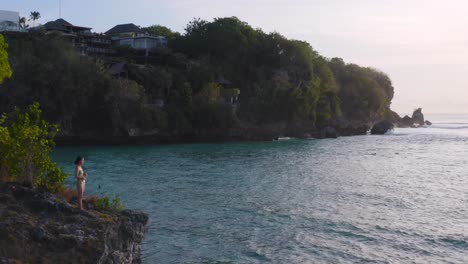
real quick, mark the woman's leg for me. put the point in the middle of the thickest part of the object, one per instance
(79, 187)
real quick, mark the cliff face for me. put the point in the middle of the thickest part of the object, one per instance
(40, 227)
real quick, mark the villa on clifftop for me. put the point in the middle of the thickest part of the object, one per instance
(134, 37)
(81, 37)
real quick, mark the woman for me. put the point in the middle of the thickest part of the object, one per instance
(81, 177)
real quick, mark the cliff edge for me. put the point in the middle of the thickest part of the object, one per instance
(39, 227)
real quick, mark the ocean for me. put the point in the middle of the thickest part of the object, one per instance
(395, 198)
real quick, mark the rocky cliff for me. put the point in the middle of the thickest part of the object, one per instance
(37, 227)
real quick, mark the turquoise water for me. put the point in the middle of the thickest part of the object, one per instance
(399, 198)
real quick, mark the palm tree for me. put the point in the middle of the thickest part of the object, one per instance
(34, 16)
(22, 23)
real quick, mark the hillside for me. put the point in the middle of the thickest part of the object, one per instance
(220, 80)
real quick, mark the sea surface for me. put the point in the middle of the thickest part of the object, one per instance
(396, 198)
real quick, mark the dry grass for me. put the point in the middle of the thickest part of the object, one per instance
(4, 175)
(69, 194)
(91, 200)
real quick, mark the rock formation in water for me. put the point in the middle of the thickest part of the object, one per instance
(382, 127)
(37, 227)
(416, 120)
(418, 117)
(406, 121)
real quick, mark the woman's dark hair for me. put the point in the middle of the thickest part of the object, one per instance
(78, 159)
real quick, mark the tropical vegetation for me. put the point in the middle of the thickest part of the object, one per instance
(215, 77)
(26, 141)
(5, 70)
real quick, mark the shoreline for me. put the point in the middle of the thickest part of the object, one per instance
(150, 140)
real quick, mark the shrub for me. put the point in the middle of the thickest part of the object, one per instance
(5, 70)
(69, 194)
(26, 141)
(105, 203)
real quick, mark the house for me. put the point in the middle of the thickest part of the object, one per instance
(119, 69)
(125, 31)
(229, 95)
(134, 37)
(223, 82)
(61, 25)
(81, 37)
(9, 21)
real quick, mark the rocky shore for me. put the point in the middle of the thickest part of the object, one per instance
(38, 227)
(415, 121)
(247, 132)
(338, 127)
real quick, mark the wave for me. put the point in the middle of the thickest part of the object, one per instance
(455, 241)
(449, 127)
(451, 123)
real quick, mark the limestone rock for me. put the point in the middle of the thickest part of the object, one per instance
(418, 117)
(382, 127)
(42, 226)
(328, 132)
(406, 121)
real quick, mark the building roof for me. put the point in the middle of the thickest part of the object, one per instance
(223, 81)
(118, 68)
(63, 25)
(124, 28)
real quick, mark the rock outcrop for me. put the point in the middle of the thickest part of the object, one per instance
(418, 117)
(328, 132)
(382, 127)
(37, 227)
(416, 120)
(406, 121)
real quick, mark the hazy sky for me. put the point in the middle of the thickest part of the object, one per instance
(421, 44)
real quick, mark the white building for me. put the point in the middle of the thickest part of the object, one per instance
(142, 42)
(9, 21)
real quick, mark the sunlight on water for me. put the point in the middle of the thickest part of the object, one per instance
(397, 198)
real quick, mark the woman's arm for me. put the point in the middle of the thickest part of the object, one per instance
(77, 174)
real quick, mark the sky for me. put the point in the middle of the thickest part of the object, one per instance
(421, 44)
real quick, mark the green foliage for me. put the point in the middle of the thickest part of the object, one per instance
(209, 94)
(105, 203)
(158, 30)
(5, 70)
(26, 140)
(276, 80)
(232, 92)
(365, 93)
(34, 15)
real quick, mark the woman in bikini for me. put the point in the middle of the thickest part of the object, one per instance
(81, 177)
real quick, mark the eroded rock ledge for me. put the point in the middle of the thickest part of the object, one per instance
(37, 227)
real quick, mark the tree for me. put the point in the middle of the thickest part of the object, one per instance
(22, 23)
(158, 30)
(26, 140)
(182, 89)
(34, 16)
(5, 70)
